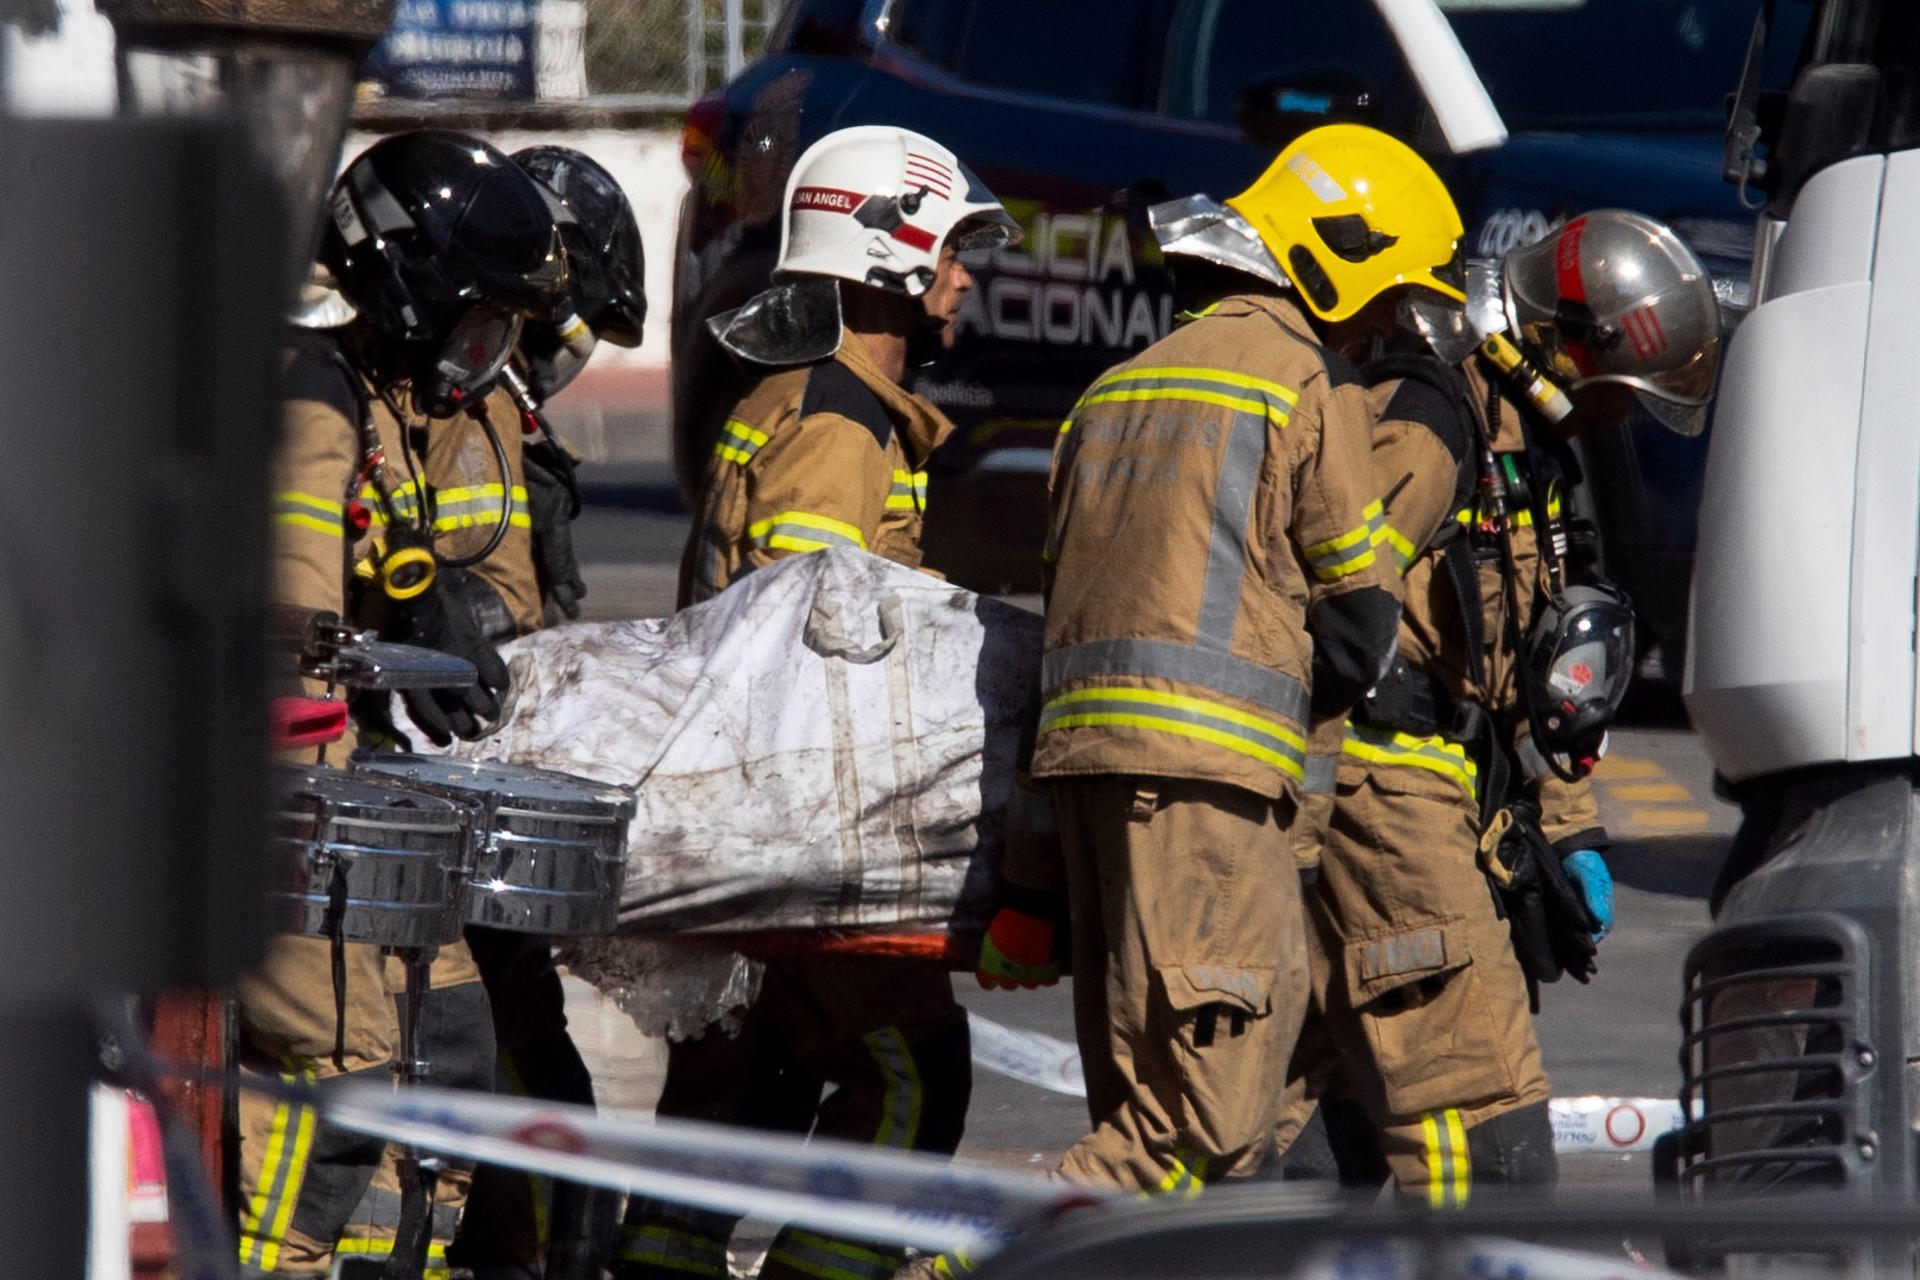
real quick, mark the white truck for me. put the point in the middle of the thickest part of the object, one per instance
(1801, 1020)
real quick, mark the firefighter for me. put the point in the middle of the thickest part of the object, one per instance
(435, 250)
(512, 1217)
(829, 449)
(1212, 575)
(1469, 759)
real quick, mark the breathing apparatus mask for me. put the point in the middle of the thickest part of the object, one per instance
(1579, 662)
(464, 368)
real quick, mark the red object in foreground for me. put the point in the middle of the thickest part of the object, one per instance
(306, 722)
(188, 1026)
(946, 949)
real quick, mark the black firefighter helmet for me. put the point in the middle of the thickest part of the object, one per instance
(444, 246)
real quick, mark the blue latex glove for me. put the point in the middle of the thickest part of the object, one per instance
(1588, 870)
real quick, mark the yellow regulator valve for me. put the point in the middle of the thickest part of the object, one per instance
(406, 572)
(1550, 400)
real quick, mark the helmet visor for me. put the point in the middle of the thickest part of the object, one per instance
(989, 229)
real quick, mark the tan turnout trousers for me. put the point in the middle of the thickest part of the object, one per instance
(1188, 971)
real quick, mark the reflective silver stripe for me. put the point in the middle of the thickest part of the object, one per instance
(1267, 743)
(1222, 673)
(1033, 811)
(1227, 546)
(1321, 773)
(829, 1259)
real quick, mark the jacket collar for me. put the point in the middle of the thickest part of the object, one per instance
(922, 426)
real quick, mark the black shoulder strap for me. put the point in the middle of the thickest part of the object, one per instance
(834, 388)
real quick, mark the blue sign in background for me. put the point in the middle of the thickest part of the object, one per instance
(456, 48)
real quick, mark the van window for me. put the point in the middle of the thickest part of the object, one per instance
(1219, 49)
(1642, 65)
(1090, 53)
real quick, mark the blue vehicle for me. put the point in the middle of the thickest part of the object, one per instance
(1081, 114)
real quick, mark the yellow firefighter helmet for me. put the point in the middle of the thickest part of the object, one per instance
(1349, 213)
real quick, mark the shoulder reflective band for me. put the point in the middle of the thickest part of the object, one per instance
(739, 442)
(1243, 393)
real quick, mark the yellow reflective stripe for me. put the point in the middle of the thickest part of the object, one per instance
(1435, 754)
(1436, 1162)
(256, 1210)
(952, 1264)
(739, 442)
(909, 491)
(296, 1176)
(1403, 548)
(309, 511)
(845, 1248)
(1185, 1179)
(332, 528)
(900, 1107)
(674, 1249)
(784, 532)
(1333, 571)
(1522, 519)
(1197, 373)
(752, 437)
(436, 1252)
(1172, 713)
(1462, 1167)
(1184, 393)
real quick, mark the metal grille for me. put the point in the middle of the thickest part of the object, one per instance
(671, 50)
(1778, 1040)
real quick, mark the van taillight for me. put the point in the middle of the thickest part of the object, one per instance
(701, 132)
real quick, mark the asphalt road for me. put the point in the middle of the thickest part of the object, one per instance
(1617, 1036)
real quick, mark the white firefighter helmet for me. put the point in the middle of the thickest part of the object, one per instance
(873, 205)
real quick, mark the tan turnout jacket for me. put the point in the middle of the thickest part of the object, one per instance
(832, 454)
(1203, 494)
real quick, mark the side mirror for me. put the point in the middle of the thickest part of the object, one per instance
(1275, 112)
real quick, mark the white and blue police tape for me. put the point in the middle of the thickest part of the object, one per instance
(872, 1193)
(1469, 1258)
(1579, 1124)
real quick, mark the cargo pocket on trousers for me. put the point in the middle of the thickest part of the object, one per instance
(1414, 992)
(1231, 1067)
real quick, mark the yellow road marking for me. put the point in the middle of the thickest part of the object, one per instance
(1651, 793)
(1624, 768)
(1669, 819)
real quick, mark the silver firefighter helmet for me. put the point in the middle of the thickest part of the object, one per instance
(1614, 296)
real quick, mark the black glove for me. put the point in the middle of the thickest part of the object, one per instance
(456, 615)
(1552, 927)
(553, 500)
